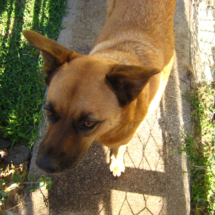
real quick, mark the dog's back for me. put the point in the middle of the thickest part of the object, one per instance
(147, 24)
(140, 33)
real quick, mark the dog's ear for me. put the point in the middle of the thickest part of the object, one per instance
(128, 81)
(53, 53)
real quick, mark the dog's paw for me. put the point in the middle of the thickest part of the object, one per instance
(117, 166)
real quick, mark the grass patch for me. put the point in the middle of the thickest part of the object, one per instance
(21, 70)
(200, 150)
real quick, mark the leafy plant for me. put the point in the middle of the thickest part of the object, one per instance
(17, 181)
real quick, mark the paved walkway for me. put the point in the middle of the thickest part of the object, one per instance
(155, 181)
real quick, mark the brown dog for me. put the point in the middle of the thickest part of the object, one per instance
(106, 95)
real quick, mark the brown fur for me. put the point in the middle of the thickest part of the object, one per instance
(114, 87)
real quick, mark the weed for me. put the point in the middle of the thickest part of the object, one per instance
(16, 181)
(200, 150)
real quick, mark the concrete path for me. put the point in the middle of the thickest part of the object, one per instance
(156, 179)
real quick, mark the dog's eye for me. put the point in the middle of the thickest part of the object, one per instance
(89, 124)
(49, 113)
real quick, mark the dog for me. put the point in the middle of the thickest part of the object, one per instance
(104, 96)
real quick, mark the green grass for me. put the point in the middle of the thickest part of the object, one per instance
(200, 148)
(21, 69)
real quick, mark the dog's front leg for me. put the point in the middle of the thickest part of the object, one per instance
(117, 165)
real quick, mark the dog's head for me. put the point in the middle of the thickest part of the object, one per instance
(86, 99)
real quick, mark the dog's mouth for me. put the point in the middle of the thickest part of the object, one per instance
(53, 165)
(64, 171)
(60, 169)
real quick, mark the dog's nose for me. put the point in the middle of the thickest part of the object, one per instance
(47, 164)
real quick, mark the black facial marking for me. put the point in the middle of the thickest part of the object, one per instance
(79, 124)
(50, 108)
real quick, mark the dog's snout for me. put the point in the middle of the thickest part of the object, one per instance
(48, 165)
